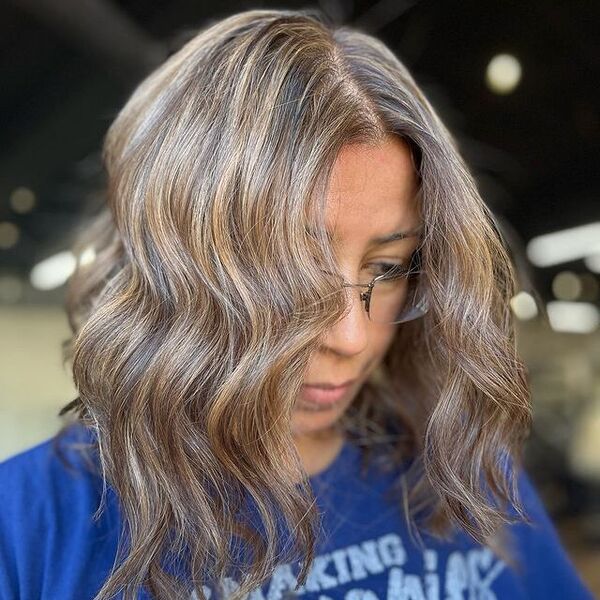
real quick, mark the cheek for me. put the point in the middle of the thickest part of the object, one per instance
(381, 343)
(382, 339)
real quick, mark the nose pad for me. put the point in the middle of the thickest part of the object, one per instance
(349, 335)
(351, 297)
(365, 299)
(360, 293)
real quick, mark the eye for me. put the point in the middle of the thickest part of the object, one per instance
(391, 270)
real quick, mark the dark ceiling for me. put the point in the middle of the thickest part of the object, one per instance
(67, 66)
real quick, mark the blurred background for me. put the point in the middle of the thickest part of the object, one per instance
(516, 83)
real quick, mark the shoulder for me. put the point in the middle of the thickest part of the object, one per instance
(47, 486)
(49, 494)
(547, 569)
(47, 472)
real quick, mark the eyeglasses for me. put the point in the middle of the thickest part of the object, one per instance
(395, 295)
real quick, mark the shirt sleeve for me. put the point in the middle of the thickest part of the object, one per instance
(50, 546)
(19, 510)
(548, 572)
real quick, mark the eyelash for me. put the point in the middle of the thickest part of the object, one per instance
(388, 267)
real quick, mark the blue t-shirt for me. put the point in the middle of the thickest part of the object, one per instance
(52, 549)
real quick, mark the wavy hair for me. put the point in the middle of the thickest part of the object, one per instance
(193, 326)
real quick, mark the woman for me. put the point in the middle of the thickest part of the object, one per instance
(285, 209)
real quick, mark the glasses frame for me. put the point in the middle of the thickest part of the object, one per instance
(365, 297)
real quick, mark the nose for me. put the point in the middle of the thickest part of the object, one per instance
(350, 334)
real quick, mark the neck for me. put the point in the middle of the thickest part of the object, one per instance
(318, 451)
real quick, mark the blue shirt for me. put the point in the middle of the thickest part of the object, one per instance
(51, 548)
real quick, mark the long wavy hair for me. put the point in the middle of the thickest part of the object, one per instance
(193, 326)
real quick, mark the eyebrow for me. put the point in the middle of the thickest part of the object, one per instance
(391, 237)
(397, 235)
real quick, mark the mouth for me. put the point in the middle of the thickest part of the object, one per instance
(325, 395)
(322, 396)
(330, 386)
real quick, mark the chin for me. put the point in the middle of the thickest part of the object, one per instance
(307, 420)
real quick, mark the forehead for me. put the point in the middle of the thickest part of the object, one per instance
(372, 190)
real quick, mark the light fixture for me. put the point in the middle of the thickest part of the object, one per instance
(53, 271)
(503, 73)
(564, 245)
(573, 317)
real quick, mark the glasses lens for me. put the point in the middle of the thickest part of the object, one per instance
(397, 300)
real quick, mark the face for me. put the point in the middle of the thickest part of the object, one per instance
(371, 194)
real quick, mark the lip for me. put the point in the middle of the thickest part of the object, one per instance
(319, 395)
(330, 386)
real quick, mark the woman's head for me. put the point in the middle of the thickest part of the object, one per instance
(246, 176)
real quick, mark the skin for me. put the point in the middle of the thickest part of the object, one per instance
(371, 193)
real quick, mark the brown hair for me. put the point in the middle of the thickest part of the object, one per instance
(193, 325)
